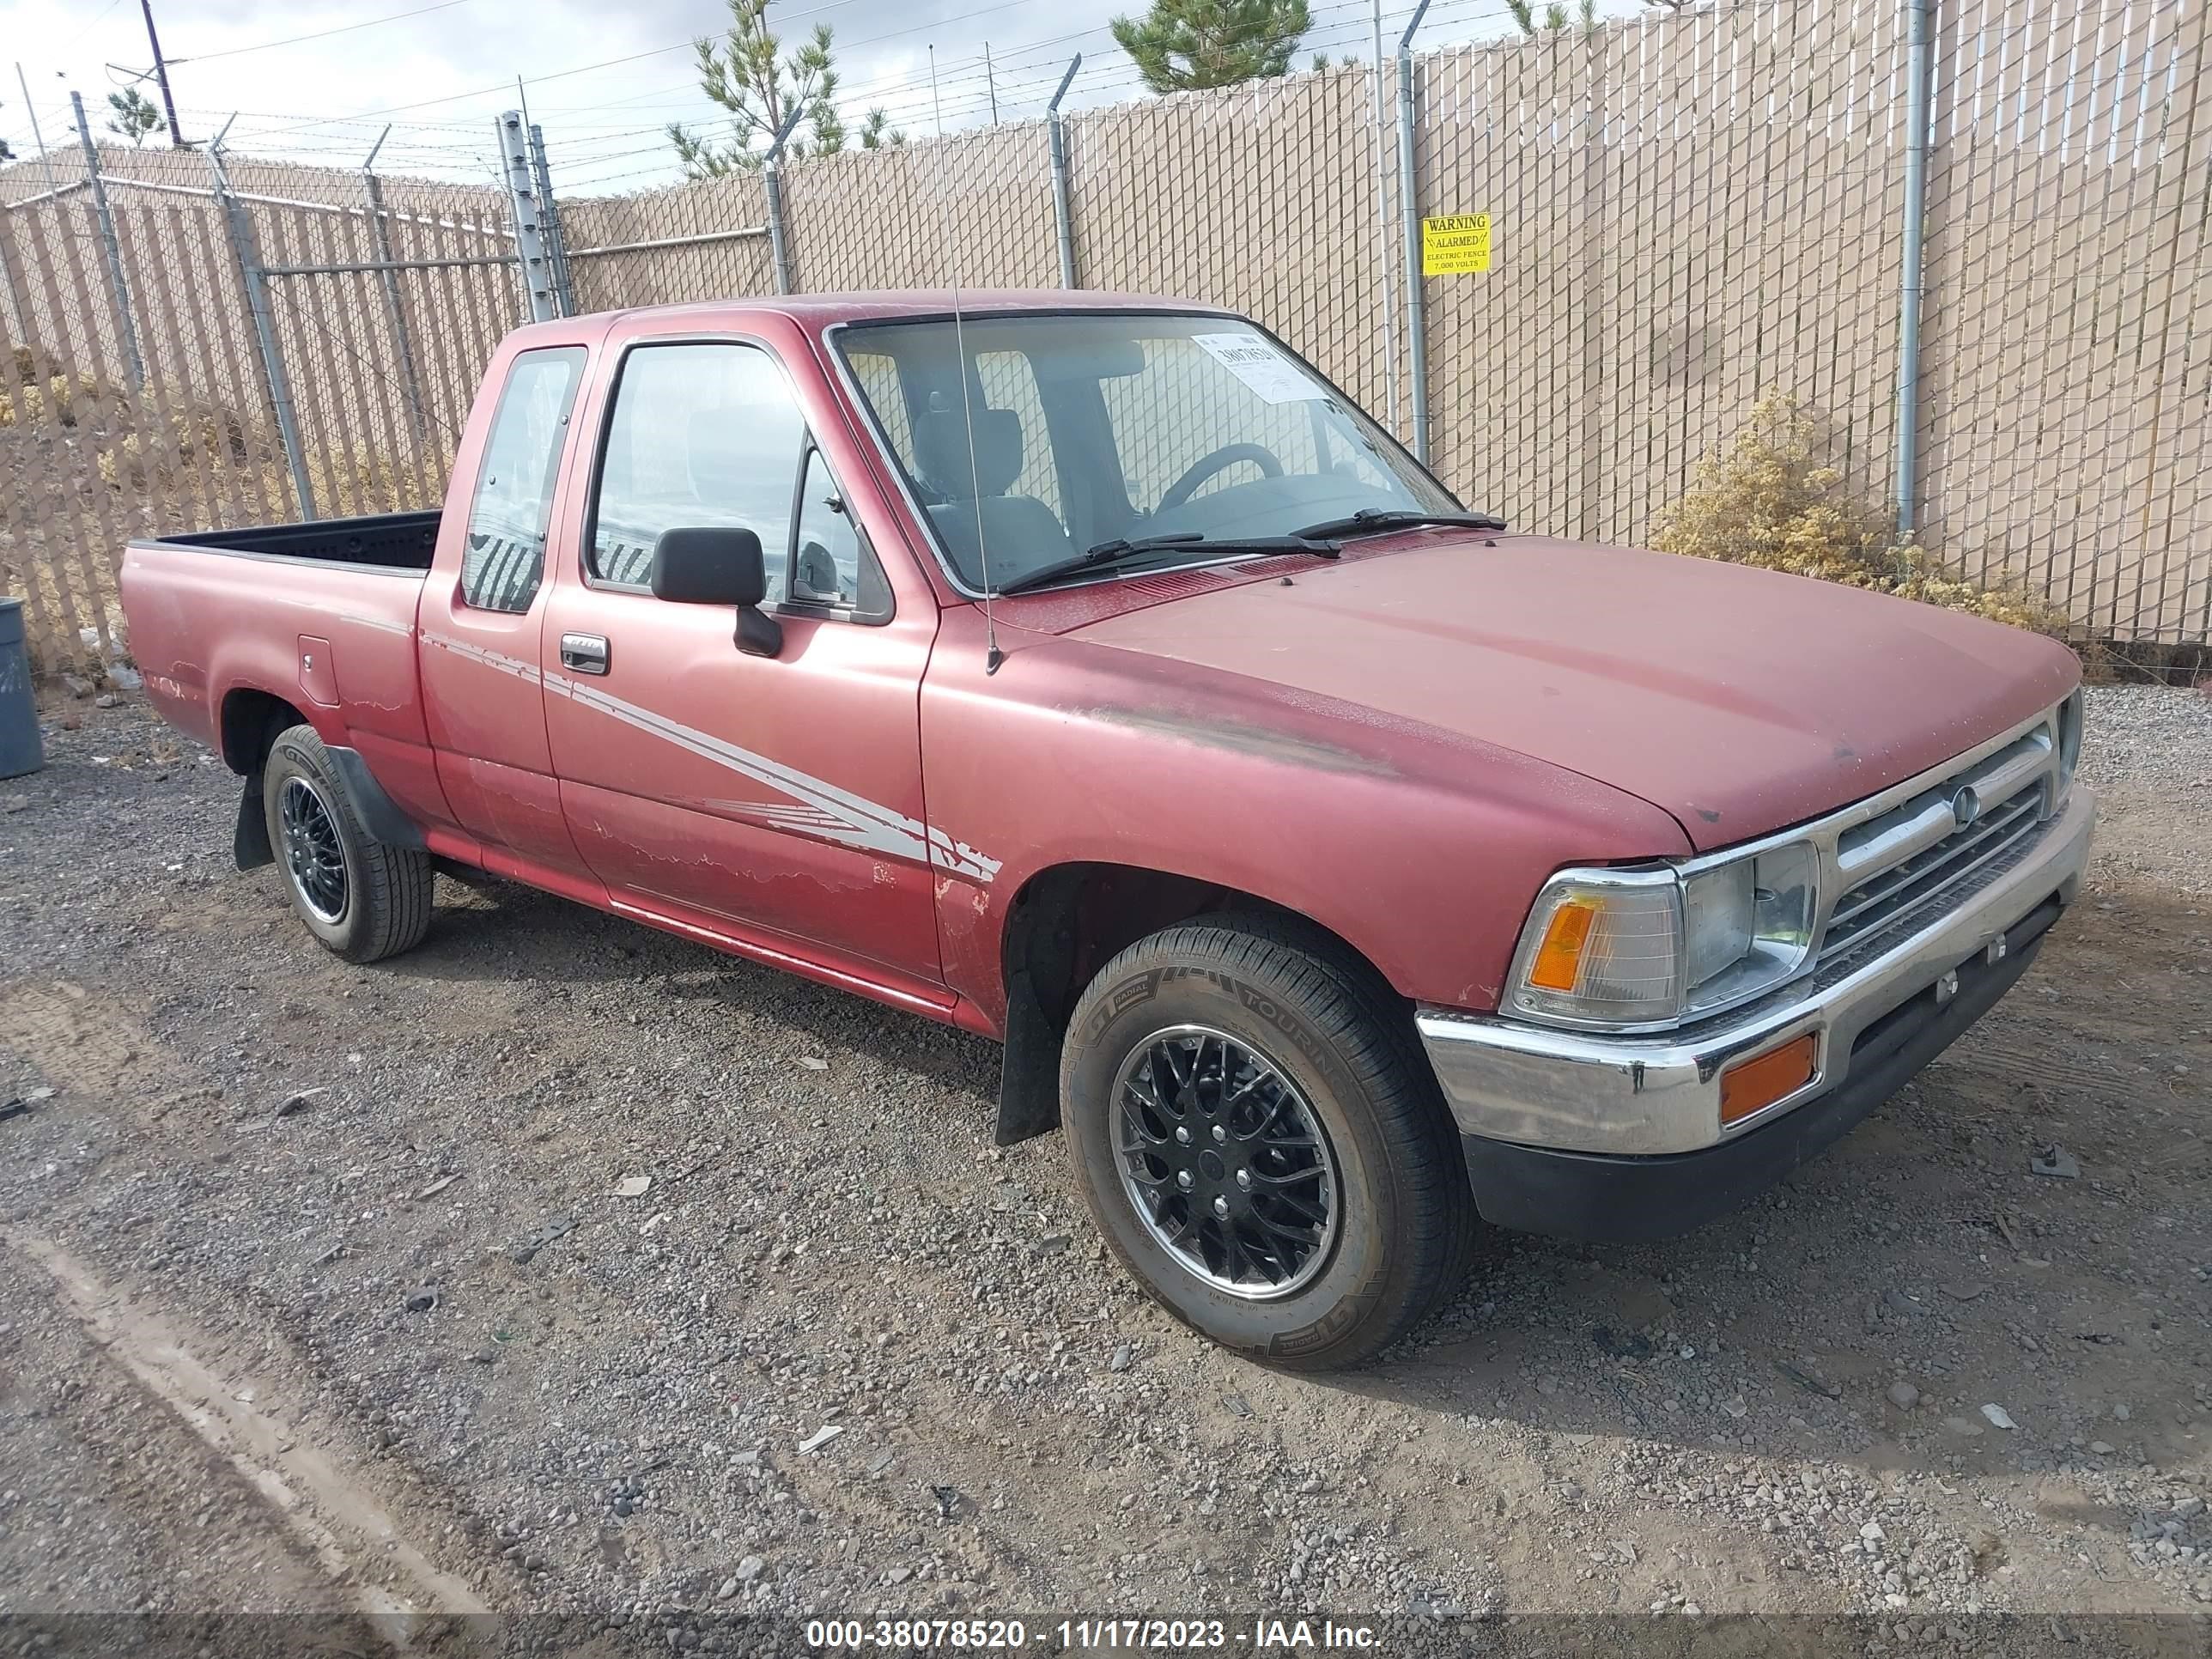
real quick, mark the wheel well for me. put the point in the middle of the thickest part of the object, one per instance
(251, 721)
(1069, 921)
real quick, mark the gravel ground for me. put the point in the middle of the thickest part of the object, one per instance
(842, 1355)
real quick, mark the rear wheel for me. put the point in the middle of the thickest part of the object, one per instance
(1256, 1134)
(363, 900)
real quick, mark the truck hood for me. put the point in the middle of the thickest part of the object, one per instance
(1740, 701)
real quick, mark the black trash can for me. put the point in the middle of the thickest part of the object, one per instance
(20, 750)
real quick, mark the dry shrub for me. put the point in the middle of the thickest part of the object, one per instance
(1769, 499)
(347, 486)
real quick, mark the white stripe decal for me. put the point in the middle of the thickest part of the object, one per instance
(817, 807)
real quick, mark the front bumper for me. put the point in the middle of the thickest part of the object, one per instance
(1593, 1136)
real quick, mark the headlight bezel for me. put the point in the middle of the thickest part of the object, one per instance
(1677, 885)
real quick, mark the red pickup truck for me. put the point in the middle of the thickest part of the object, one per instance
(1337, 868)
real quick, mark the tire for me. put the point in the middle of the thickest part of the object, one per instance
(1400, 1221)
(363, 900)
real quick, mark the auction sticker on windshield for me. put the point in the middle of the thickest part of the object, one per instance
(1260, 367)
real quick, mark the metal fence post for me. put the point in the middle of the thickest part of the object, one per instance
(379, 240)
(239, 228)
(1409, 206)
(1918, 94)
(772, 183)
(557, 241)
(529, 230)
(128, 329)
(1063, 220)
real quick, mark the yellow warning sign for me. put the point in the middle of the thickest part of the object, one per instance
(1454, 242)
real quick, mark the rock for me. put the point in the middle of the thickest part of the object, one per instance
(821, 1436)
(77, 685)
(1961, 1425)
(1053, 1244)
(1904, 1395)
(1998, 1417)
(729, 1589)
(2119, 1414)
(2101, 1448)
(1124, 1357)
(298, 1103)
(15, 803)
(633, 1185)
(748, 1569)
(106, 700)
(424, 1300)
(813, 1064)
(1872, 1532)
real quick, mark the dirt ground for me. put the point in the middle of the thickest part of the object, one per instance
(318, 1295)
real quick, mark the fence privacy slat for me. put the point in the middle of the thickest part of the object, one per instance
(1691, 211)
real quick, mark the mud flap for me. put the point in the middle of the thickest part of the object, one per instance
(1029, 1073)
(379, 813)
(249, 838)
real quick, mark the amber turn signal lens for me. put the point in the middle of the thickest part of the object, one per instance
(1560, 957)
(1752, 1085)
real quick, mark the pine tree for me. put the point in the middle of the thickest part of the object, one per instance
(1181, 45)
(135, 116)
(747, 77)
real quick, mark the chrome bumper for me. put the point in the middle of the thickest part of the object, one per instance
(1534, 1086)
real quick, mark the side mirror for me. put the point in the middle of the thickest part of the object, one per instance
(719, 564)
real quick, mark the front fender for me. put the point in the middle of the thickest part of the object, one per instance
(1421, 847)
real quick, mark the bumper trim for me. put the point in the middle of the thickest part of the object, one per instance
(1511, 1081)
(1605, 1198)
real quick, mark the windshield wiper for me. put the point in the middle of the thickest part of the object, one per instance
(1120, 549)
(1371, 520)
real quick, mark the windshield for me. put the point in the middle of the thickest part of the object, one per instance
(1093, 427)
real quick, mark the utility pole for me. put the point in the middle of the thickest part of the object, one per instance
(161, 75)
(46, 159)
(991, 80)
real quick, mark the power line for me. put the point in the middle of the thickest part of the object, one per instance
(320, 34)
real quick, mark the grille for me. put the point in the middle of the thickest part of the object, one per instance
(1915, 859)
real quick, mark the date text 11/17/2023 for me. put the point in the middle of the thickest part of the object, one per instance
(1265, 1635)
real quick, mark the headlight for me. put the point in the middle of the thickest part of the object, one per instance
(1643, 948)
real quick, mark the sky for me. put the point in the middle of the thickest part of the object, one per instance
(602, 80)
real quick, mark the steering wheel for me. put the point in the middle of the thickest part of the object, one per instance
(1221, 461)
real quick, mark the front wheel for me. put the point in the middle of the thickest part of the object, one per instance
(363, 900)
(1255, 1131)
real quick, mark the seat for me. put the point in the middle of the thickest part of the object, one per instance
(1017, 533)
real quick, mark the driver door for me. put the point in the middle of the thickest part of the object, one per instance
(773, 801)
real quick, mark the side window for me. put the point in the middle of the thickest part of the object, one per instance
(834, 564)
(504, 560)
(701, 434)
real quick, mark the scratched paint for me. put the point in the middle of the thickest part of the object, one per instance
(816, 808)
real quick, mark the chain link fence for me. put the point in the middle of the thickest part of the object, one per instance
(1689, 213)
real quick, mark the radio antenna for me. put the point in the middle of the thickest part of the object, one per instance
(991, 655)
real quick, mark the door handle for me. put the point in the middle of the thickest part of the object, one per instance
(586, 654)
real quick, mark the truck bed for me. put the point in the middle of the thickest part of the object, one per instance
(385, 541)
(232, 627)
